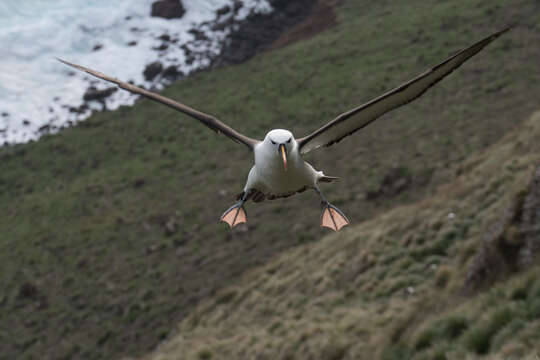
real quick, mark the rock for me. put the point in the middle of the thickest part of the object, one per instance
(132, 43)
(189, 55)
(168, 9)
(237, 5)
(171, 73)
(152, 70)
(165, 37)
(161, 47)
(259, 31)
(93, 94)
(78, 110)
(198, 34)
(222, 25)
(224, 10)
(44, 128)
(97, 47)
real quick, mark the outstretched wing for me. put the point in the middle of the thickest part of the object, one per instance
(346, 124)
(206, 119)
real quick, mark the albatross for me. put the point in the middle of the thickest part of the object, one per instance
(279, 170)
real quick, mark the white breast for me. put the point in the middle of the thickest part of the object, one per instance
(268, 172)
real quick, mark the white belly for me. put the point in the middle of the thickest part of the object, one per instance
(269, 176)
(279, 181)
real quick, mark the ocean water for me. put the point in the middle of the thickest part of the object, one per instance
(37, 91)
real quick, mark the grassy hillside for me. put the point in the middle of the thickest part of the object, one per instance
(109, 234)
(389, 288)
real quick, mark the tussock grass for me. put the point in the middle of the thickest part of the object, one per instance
(342, 297)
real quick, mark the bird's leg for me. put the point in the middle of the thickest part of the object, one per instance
(236, 214)
(331, 216)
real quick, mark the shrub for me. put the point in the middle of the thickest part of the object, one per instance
(479, 338)
(533, 308)
(443, 275)
(509, 332)
(205, 354)
(448, 328)
(425, 339)
(453, 327)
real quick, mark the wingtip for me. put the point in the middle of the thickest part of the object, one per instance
(488, 39)
(95, 73)
(500, 32)
(495, 35)
(65, 62)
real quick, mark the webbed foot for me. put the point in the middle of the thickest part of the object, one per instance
(235, 215)
(332, 217)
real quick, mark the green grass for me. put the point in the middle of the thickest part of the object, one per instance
(85, 212)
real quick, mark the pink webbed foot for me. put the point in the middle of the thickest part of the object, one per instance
(333, 218)
(234, 215)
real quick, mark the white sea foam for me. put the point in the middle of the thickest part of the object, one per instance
(36, 91)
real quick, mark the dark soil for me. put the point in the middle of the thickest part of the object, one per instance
(322, 17)
(289, 22)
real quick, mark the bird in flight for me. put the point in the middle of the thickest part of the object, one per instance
(279, 169)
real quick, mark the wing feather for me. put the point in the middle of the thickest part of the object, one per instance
(208, 120)
(346, 124)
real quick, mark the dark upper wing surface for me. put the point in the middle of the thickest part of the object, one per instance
(359, 117)
(208, 120)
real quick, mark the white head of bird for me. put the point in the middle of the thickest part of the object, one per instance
(280, 145)
(279, 170)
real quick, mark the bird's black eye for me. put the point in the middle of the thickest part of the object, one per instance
(288, 141)
(273, 142)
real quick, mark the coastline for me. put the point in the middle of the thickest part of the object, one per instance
(241, 35)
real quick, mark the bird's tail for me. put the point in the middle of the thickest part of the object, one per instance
(328, 179)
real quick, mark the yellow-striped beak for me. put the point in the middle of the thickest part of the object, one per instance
(283, 153)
